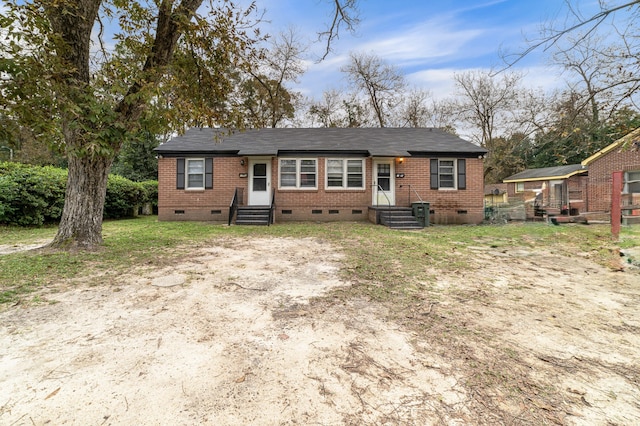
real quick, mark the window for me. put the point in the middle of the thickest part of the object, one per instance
(448, 173)
(298, 173)
(194, 173)
(519, 186)
(345, 174)
(632, 182)
(384, 176)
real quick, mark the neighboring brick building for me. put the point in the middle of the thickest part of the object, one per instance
(320, 174)
(561, 189)
(622, 155)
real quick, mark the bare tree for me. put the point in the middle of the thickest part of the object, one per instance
(442, 114)
(488, 102)
(605, 43)
(267, 99)
(575, 21)
(490, 105)
(328, 111)
(414, 111)
(379, 81)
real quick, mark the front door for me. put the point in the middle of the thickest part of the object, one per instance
(383, 183)
(259, 182)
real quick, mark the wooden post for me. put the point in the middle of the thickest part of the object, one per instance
(616, 199)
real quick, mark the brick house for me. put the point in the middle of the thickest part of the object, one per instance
(622, 155)
(557, 190)
(320, 174)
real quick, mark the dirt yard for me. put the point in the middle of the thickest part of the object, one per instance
(263, 332)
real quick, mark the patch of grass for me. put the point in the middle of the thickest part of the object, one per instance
(10, 235)
(23, 273)
(385, 264)
(629, 237)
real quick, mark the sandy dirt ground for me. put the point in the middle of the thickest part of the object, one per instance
(260, 332)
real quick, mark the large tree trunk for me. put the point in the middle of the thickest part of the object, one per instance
(81, 222)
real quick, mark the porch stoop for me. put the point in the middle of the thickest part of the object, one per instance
(399, 218)
(253, 215)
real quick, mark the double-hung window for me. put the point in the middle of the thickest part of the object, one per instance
(298, 173)
(195, 173)
(345, 174)
(448, 173)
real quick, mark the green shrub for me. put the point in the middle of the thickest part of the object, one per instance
(34, 195)
(150, 192)
(123, 197)
(31, 195)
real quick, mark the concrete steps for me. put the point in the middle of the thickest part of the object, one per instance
(253, 215)
(399, 218)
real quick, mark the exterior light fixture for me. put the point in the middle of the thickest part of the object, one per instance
(242, 162)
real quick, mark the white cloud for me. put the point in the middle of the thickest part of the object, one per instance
(438, 81)
(429, 41)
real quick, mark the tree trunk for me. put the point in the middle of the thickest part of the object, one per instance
(81, 222)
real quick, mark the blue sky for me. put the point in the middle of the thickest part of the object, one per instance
(428, 40)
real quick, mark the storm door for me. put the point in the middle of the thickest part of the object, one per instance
(383, 183)
(259, 182)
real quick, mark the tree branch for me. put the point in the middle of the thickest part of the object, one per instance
(345, 13)
(553, 39)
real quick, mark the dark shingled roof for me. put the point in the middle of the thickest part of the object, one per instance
(557, 172)
(379, 142)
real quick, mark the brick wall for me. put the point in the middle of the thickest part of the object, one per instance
(599, 181)
(205, 205)
(447, 206)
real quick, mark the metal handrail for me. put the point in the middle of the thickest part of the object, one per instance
(272, 207)
(233, 207)
(385, 195)
(411, 188)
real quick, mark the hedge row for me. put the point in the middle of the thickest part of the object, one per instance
(34, 195)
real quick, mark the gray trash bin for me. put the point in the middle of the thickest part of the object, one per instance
(421, 212)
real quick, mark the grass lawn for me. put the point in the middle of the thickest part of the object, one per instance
(524, 323)
(375, 254)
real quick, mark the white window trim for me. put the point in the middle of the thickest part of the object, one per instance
(455, 175)
(345, 175)
(519, 187)
(187, 186)
(298, 172)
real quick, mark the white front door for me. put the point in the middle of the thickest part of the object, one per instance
(259, 182)
(383, 183)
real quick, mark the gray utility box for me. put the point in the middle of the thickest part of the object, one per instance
(421, 212)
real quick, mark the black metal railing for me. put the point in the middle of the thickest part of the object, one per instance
(411, 188)
(380, 189)
(272, 207)
(233, 207)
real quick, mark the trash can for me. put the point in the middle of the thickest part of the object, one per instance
(421, 212)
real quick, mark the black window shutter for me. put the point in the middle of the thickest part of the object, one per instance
(462, 174)
(433, 168)
(208, 173)
(180, 174)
